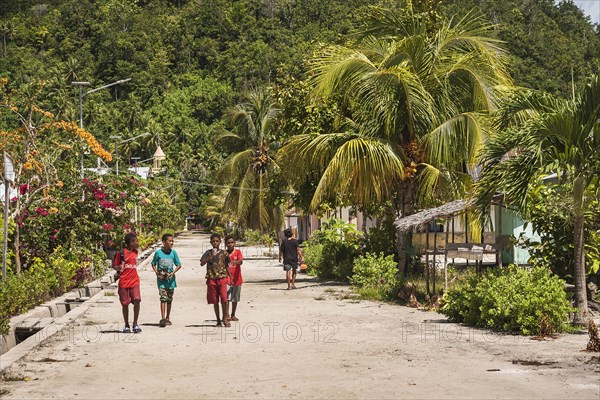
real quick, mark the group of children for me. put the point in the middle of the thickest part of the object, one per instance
(223, 278)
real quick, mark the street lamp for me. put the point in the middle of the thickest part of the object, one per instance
(121, 142)
(82, 94)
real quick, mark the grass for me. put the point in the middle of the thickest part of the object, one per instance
(419, 287)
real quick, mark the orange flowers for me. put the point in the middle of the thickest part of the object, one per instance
(91, 141)
(8, 138)
(46, 114)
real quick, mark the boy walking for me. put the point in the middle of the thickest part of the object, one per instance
(165, 265)
(129, 281)
(235, 271)
(290, 251)
(217, 277)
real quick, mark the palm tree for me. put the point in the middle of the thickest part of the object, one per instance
(7, 28)
(249, 170)
(544, 134)
(417, 96)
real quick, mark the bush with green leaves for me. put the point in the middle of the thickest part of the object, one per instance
(375, 275)
(252, 237)
(21, 292)
(381, 239)
(340, 244)
(40, 281)
(550, 214)
(313, 257)
(513, 299)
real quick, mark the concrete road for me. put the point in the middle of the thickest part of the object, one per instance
(312, 342)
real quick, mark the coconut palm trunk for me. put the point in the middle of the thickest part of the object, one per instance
(579, 256)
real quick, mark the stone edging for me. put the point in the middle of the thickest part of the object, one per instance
(19, 351)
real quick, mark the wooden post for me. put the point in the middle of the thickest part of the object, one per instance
(427, 257)
(467, 232)
(434, 252)
(446, 257)
(453, 236)
(499, 240)
(482, 245)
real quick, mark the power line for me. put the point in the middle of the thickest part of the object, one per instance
(219, 186)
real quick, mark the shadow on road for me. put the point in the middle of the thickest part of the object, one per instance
(212, 324)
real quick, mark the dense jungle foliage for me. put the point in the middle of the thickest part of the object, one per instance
(189, 60)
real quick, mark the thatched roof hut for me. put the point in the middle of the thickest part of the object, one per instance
(422, 218)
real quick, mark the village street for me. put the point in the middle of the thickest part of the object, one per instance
(312, 342)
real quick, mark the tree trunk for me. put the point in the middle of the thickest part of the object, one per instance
(17, 247)
(579, 260)
(405, 238)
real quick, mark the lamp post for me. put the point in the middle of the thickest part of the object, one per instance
(117, 143)
(82, 94)
(8, 176)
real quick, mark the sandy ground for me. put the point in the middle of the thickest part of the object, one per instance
(313, 342)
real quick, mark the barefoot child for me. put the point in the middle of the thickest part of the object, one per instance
(235, 270)
(129, 281)
(217, 277)
(290, 251)
(165, 265)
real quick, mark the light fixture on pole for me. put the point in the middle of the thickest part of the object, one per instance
(9, 177)
(82, 94)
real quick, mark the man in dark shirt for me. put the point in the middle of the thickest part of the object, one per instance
(291, 253)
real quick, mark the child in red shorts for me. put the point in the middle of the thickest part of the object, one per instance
(129, 281)
(217, 277)
(235, 270)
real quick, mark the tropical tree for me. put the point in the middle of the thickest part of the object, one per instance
(43, 144)
(416, 90)
(250, 169)
(544, 135)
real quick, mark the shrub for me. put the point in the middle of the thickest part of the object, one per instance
(146, 240)
(41, 281)
(252, 237)
(21, 292)
(313, 256)
(375, 274)
(381, 239)
(513, 299)
(341, 244)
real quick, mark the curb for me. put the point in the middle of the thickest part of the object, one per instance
(22, 349)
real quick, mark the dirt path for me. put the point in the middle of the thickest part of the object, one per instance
(313, 342)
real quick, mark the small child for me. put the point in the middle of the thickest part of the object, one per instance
(165, 265)
(235, 270)
(217, 277)
(129, 281)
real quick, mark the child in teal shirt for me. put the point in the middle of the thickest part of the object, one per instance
(165, 265)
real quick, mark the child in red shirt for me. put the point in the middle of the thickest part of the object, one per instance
(129, 281)
(235, 270)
